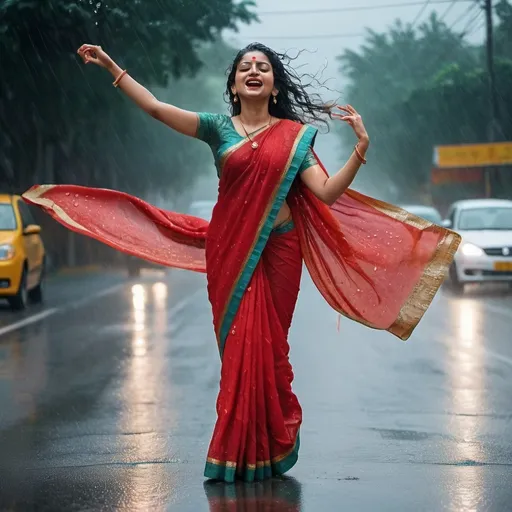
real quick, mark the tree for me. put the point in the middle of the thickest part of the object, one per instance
(503, 33)
(384, 75)
(48, 101)
(64, 123)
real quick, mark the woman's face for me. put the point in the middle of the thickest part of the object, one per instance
(254, 78)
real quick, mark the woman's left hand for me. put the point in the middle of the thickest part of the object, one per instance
(351, 117)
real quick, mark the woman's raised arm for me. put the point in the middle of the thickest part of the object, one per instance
(182, 121)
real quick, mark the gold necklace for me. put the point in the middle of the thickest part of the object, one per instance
(254, 144)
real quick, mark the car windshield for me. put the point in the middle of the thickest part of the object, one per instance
(486, 218)
(7, 218)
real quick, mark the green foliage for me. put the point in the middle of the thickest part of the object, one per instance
(63, 122)
(503, 33)
(425, 87)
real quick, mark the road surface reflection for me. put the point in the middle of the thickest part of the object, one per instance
(467, 402)
(279, 495)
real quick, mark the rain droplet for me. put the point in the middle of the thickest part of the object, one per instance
(76, 195)
(67, 193)
(75, 203)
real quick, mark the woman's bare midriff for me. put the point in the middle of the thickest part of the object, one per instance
(283, 215)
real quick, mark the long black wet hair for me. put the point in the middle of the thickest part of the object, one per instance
(294, 102)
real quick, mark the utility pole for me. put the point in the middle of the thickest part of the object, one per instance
(493, 97)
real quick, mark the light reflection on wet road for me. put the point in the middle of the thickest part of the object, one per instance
(109, 404)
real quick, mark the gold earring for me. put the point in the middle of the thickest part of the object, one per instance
(235, 99)
(275, 100)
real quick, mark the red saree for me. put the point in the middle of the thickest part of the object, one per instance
(372, 262)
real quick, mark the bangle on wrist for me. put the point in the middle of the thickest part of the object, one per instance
(358, 154)
(115, 83)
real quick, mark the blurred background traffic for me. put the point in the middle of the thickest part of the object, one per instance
(109, 370)
(431, 78)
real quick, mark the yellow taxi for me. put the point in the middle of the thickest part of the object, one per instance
(22, 253)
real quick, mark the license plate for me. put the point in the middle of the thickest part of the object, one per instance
(503, 266)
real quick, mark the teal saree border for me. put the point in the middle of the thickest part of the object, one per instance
(243, 281)
(229, 474)
(283, 228)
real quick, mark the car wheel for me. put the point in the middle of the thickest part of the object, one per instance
(455, 285)
(20, 300)
(36, 295)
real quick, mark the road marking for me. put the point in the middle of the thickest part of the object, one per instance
(52, 311)
(184, 303)
(498, 309)
(499, 357)
(175, 326)
(29, 320)
(98, 295)
(178, 308)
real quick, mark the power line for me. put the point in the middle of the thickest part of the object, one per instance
(316, 36)
(464, 15)
(348, 35)
(470, 24)
(421, 11)
(476, 29)
(448, 9)
(357, 8)
(474, 10)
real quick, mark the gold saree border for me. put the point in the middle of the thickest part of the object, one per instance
(433, 274)
(225, 156)
(34, 194)
(263, 220)
(259, 463)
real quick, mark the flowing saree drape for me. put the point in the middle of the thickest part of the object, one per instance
(372, 262)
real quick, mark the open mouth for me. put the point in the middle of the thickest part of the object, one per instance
(253, 83)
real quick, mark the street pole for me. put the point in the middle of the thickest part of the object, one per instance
(493, 98)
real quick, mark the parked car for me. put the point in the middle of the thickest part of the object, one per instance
(485, 254)
(426, 212)
(22, 253)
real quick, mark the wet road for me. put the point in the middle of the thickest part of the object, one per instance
(107, 402)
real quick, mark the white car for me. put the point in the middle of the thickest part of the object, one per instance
(485, 254)
(426, 212)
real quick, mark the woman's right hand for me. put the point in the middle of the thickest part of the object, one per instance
(95, 54)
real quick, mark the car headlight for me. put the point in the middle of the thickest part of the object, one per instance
(471, 250)
(6, 252)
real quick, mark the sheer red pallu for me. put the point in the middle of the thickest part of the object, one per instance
(372, 262)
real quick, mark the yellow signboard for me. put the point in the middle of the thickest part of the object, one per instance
(473, 155)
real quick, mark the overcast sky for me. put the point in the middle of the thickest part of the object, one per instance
(314, 31)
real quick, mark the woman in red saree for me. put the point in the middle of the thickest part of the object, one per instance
(277, 207)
